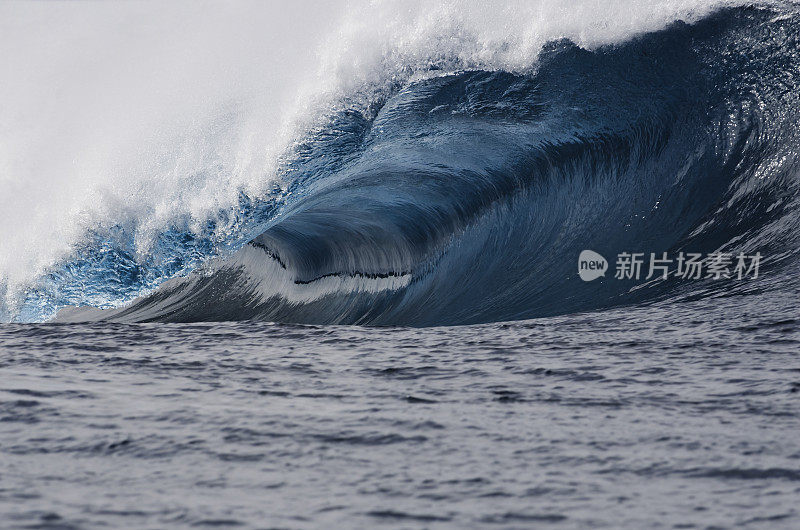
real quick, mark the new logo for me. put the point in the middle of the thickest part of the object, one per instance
(591, 265)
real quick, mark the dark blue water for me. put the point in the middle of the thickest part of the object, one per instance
(400, 336)
(678, 415)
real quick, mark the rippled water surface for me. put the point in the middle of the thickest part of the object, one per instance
(673, 416)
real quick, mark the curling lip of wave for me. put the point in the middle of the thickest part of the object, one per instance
(166, 163)
(466, 197)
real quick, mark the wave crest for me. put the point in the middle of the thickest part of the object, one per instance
(466, 197)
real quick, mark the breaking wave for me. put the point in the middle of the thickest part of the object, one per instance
(455, 173)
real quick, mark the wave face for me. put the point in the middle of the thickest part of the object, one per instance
(461, 194)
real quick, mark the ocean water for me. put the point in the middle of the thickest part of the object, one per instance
(651, 417)
(408, 265)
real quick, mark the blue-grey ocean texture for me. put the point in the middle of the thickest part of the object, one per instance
(399, 337)
(671, 416)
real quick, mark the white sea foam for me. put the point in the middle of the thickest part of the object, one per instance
(137, 114)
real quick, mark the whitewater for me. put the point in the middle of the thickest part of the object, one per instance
(362, 263)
